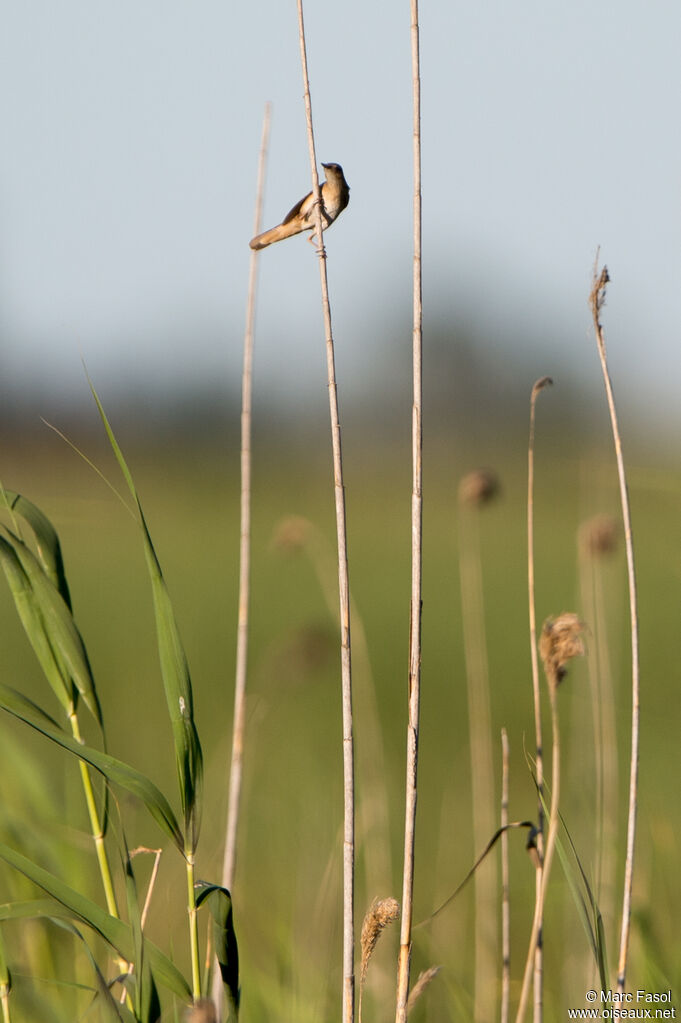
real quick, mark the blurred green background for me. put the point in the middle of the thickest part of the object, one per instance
(287, 897)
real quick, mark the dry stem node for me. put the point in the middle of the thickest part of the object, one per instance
(479, 487)
(560, 641)
(381, 913)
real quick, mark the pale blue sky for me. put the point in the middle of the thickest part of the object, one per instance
(127, 178)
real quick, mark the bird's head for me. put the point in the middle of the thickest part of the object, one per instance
(333, 169)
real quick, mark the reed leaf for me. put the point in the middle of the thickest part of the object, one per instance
(49, 625)
(48, 545)
(174, 667)
(5, 974)
(67, 904)
(219, 902)
(114, 770)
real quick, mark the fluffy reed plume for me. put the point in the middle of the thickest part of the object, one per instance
(560, 641)
(202, 1011)
(381, 913)
(420, 986)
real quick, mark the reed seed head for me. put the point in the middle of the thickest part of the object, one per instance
(421, 984)
(560, 641)
(599, 535)
(539, 385)
(381, 913)
(479, 487)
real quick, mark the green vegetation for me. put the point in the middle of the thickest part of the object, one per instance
(287, 897)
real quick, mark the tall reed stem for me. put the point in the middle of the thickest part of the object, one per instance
(416, 548)
(193, 926)
(596, 301)
(550, 845)
(240, 677)
(538, 965)
(239, 721)
(505, 885)
(96, 826)
(348, 1002)
(482, 760)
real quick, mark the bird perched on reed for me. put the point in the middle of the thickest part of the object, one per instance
(335, 197)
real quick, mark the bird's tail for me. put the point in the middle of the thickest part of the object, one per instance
(275, 234)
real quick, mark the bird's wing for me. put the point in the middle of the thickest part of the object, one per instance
(296, 209)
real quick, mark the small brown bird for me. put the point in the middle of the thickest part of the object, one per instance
(335, 197)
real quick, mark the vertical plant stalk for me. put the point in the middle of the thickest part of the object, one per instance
(193, 925)
(550, 845)
(505, 885)
(95, 825)
(482, 763)
(538, 974)
(5, 984)
(241, 671)
(560, 642)
(596, 300)
(596, 542)
(348, 1001)
(416, 548)
(239, 721)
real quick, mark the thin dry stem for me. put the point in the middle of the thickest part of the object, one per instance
(598, 539)
(538, 386)
(348, 1002)
(156, 853)
(560, 642)
(239, 718)
(238, 725)
(505, 885)
(416, 554)
(596, 301)
(476, 489)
